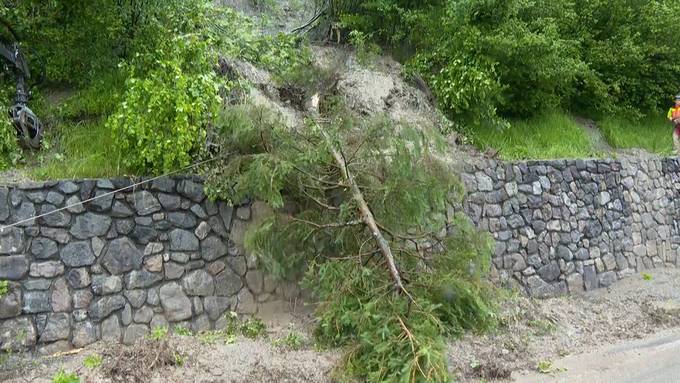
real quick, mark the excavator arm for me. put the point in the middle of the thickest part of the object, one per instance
(28, 126)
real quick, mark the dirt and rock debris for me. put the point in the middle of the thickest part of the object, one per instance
(531, 333)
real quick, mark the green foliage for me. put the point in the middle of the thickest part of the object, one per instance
(79, 150)
(653, 133)
(4, 287)
(10, 152)
(161, 122)
(292, 341)
(253, 328)
(647, 276)
(366, 49)
(547, 367)
(93, 361)
(182, 331)
(389, 336)
(159, 333)
(65, 377)
(179, 359)
(487, 60)
(553, 135)
(283, 55)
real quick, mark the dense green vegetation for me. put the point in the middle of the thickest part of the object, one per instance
(652, 134)
(487, 60)
(553, 135)
(497, 63)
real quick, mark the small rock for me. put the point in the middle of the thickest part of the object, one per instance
(78, 278)
(11, 302)
(13, 267)
(44, 248)
(213, 248)
(17, 334)
(97, 246)
(142, 279)
(106, 285)
(82, 299)
(216, 306)
(111, 329)
(191, 190)
(198, 283)
(136, 297)
(122, 256)
(103, 307)
(173, 270)
(61, 296)
(182, 240)
(36, 302)
(145, 203)
(90, 225)
(202, 230)
(143, 315)
(153, 248)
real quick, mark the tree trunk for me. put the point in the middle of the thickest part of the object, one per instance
(366, 213)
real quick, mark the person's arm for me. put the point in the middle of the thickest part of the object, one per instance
(670, 114)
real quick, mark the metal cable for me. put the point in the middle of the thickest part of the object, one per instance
(132, 186)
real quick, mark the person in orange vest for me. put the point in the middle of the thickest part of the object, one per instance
(674, 117)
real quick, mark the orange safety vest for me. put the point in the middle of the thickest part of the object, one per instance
(674, 113)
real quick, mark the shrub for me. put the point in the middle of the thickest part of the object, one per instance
(161, 121)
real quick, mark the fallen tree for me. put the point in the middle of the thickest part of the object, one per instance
(362, 215)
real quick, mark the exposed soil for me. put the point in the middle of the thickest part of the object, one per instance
(595, 135)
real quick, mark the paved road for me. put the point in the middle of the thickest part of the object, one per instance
(651, 360)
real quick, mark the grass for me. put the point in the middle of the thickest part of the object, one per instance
(653, 134)
(554, 135)
(78, 150)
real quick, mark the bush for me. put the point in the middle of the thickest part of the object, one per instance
(162, 119)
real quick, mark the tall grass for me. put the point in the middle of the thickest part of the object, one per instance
(553, 135)
(80, 150)
(653, 134)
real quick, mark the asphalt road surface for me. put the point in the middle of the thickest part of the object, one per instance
(655, 359)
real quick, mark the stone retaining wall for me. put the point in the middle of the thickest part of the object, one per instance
(565, 226)
(117, 266)
(162, 254)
